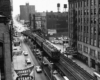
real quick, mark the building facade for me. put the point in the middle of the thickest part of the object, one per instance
(26, 10)
(83, 17)
(52, 24)
(57, 23)
(5, 8)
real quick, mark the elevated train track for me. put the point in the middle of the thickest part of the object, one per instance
(77, 69)
(67, 67)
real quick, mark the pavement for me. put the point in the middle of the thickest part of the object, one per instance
(18, 63)
(85, 67)
(82, 65)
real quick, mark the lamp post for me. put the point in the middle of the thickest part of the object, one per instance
(10, 32)
(51, 71)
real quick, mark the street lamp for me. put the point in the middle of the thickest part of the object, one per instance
(51, 70)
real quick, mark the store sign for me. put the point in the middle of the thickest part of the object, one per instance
(24, 78)
(52, 31)
(24, 71)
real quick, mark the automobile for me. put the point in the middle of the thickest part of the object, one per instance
(55, 72)
(16, 49)
(38, 69)
(28, 61)
(45, 63)
(25, 53)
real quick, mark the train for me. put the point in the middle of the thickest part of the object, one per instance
(51, 51)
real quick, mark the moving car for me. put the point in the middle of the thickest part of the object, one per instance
(38, 69)
(25, 53)
(28, 61)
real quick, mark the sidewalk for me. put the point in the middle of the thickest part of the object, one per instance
(19, 62)
(82, 65)
(85, 67)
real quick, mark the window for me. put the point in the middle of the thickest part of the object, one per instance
(91, 28)
(85, 12)
(87, 3)
(80, 47)
(94, 11)
(91, 41)
(99, 20)
(85, 39)
(87, 29)
(94, 42)
(92, 53)
(91, 2)
(94, 20)
(99, 11)
(94, 2)
(99, 44)
(85, 49)
(95, 30)
(99, 1)
(99, 55)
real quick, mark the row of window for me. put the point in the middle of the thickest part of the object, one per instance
(92, 41)
(85, 3)
(91, 53)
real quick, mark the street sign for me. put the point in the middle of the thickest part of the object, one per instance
(24, 71)
(24, 78)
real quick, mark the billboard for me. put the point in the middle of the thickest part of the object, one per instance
(52, 31)
(24, 71)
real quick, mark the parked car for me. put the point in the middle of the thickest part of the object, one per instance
(38, 69)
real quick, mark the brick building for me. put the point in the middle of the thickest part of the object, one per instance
(51, 23)
(57, 22)
(83, 23)
(6, 7)
(5, 43)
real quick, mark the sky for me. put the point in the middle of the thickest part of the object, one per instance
(40, 5)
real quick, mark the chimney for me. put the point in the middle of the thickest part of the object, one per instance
(58, 6)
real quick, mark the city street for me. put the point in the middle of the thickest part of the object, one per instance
(38, 76)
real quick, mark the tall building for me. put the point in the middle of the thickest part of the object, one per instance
(26, 10)
(6, 7)
(83, 23)
(5, 46)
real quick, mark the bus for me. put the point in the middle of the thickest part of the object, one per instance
(96, 75)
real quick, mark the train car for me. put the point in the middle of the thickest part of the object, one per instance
(39, 40)
(34, 36)
(53, 52)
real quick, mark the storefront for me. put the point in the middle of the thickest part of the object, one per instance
(82, 58)
(98, 65)
(93, 63)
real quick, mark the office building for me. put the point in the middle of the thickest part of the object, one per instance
(5, 48)
(26, 10)
(84, 29)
